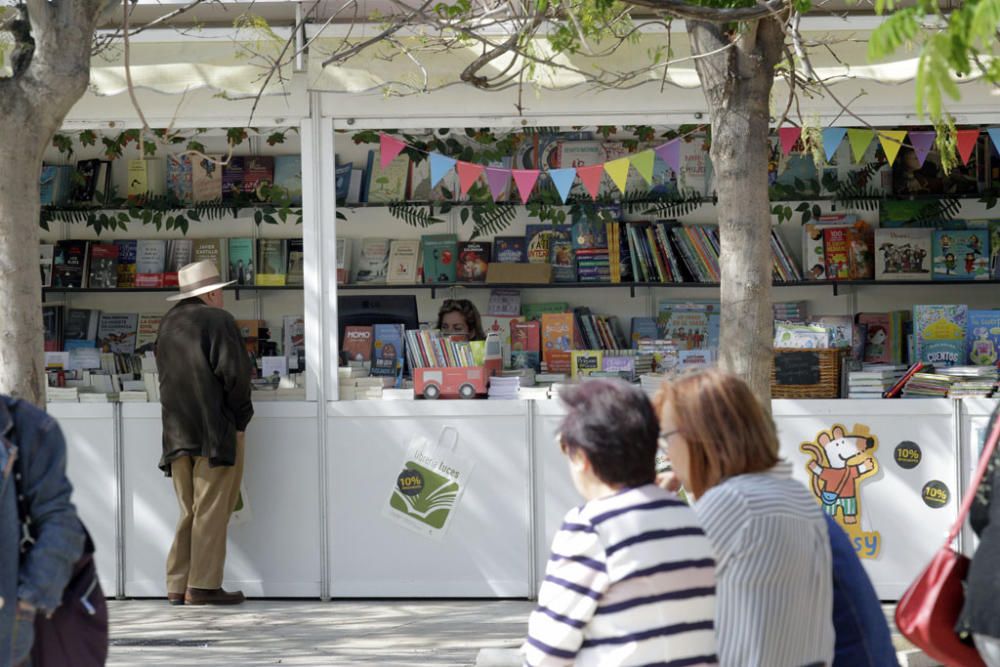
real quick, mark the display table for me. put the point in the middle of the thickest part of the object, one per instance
(276, 553)
(485, 551)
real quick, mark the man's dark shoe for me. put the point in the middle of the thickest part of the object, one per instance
(175, 599)
(199, 596)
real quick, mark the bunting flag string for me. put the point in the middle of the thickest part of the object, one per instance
(669, 153)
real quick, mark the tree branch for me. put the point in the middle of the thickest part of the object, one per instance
(689, 12)
(469, 73)
(401, 22)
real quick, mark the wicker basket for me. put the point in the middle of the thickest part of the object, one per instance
(827, 379)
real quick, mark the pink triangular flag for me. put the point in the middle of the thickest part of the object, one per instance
(498, 180)
(788, 137)
(468, 173)
(922, 142)
(389, 147)
(670, 153)
(525, 179)
(591, 178)
(966, 140)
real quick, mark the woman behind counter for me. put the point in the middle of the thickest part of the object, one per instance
(458, 318)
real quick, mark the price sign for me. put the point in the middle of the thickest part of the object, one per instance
(410, 482)
(935, 494)
(907, 454)
(797, 368)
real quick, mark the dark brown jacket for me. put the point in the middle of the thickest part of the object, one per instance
(204, 383)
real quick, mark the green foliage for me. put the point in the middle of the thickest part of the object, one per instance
(63, 143)
(415, 215)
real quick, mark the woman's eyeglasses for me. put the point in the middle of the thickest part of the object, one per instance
(664, 438)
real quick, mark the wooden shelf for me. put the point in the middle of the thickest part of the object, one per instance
(141, 290)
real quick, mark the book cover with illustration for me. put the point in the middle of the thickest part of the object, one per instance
(387, 354)
(473, 261)
(296, 263)
(116, 332)
(879, 337)
(273, 262)
(903, 254)
(387, 186)
(103, 265)
(372, 262)
(148, 330)
(150, 262)
(538, 243)
(126, 263)
(80, 328)
(561, 255)
(939, 333)
(179, 183)
(179, 254)
(241, 266)
(982, 337)
(525, 344)
(288, 177)
(440, 257)
(509, 250)
(404, 257)
(69, 263)
(585, 362)
(961, 254)
(357, 346)
(836, 253)
(501, 326)
(692, 325)
(558, 335)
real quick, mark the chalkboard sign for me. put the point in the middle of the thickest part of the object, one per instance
(797, 368)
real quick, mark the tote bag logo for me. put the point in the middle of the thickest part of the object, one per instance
(840, 461)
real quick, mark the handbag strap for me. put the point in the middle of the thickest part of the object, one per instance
(989, 446)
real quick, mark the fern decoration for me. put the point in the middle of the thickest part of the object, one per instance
(415, 215)
(490, 220)
(946, 208)
(672, 205)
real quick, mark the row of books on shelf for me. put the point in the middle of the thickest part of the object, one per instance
(146, 263)
(85, 334)
(186, 180)
(661, 251)
(922, 380)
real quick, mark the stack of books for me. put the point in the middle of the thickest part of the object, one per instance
(928, 385)
(790, 311)
(504, 388)
(593, 265)
(133, 396)
(62, 394)
(972, 381)
(650, 382)
(873, 380)
(525, 376)
(360, 389)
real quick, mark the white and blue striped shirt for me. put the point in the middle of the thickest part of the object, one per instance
(775, 579)
(630, 582)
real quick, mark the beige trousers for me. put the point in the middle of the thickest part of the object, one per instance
(207, 497)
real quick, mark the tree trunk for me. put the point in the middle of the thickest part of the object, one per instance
(22, 372)
(737, 82)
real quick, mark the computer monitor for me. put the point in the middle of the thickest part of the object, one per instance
(356, 310)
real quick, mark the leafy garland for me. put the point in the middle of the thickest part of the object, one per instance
(167, 211)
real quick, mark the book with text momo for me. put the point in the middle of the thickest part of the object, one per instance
(440, 257)
(241, 266)
(296, 263)
(126, 263)
(939, 333)
(982, 337)
(903, 254)
(961, 254)
(388, 354)
(404, 257)
(150, 262)
(69, 264)
(509, 250)
(357, 346)
(525, 344)
(116, 332)
(46, 256)
(148, 330)
(473, 261)
(102, 267)
(208, 250)
(273, 262)
(372, 261)
(80, 328)
(538, 243)
(179, 254)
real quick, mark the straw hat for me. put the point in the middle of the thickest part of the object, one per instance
(198, 278)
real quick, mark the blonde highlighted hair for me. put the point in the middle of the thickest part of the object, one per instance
(727, 431)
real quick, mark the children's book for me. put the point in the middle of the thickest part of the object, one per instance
(386, 186)
(501, 326)
(961, 254)
(903, 254)
(525, 344)
(150, 262)
(116, 332)
(585, 362)
(558, 335)
(103, 265)
(404, 255)
(642, 328)
(841, 328)
(982, 338)
(538, 241)
(691, 325)
(241, 265)
(534, 311)
(561, 255)
(387, 355)
(440, 257)
(939, 333)
(836, 253)
(473, 261)
(179, 183)
(509, 250)
(372, 262)
(357, 346)
(504, 302)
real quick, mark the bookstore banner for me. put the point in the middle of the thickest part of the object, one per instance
(427, 491)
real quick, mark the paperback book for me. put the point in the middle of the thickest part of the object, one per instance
(939, 333)
(117, 332)
(103, 265)
(241, 266)
(961, 254)
(273, 254)
(473, 261)
(126, 263)
(179, 254)
(440, 256)
(69, 264)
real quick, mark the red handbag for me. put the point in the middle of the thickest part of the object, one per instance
(928, 611)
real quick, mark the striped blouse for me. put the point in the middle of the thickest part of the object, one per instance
(773, 564)
(630, 582)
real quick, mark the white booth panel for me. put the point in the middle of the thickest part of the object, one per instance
(485, 549)
(556, 493)
(975, 417)
(901, 522)
(276, 551)
(89, 430)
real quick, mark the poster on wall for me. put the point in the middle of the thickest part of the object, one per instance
(840, 461)
(429, 488)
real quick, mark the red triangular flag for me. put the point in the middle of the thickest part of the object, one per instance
(591, 178)
(389, 147)
(788, 137)
(966, 140)
(525, 179)
(467, 175)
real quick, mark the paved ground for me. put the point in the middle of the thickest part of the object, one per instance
(388, 633)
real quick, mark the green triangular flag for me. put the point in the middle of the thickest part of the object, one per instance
(859, 139)
(643, 163)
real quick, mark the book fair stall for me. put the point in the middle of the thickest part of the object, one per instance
(388, 459)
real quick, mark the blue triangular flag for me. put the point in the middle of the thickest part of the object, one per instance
(995, 137)
(563, 180)
(832, 136)
(440, 165)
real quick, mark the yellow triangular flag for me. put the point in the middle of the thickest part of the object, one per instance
(618, 171)
(643, 163)
(892, 141)
(859, 139)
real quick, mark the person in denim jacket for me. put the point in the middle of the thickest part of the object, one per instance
(35, 586)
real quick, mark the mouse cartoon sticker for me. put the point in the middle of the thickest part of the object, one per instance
(840, 461)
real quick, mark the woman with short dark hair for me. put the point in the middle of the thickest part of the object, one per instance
(631, 577)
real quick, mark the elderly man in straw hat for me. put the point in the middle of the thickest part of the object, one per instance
(205, 397)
